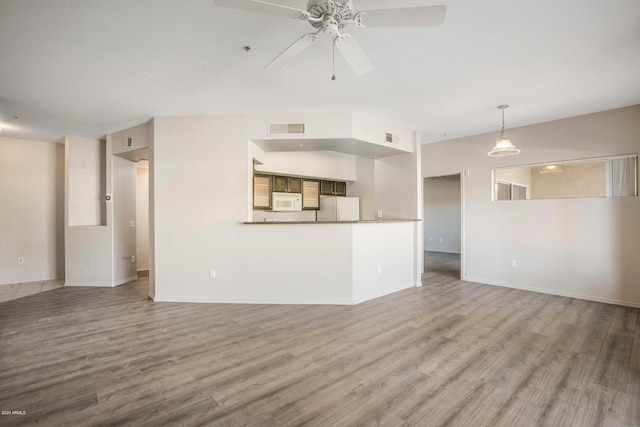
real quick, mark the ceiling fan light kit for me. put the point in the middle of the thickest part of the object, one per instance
(331, 16)
(504, 146)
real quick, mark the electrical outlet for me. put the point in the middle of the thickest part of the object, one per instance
(379, 270)
(212, 274)
(20, 260)
(133, 259)
(514, 264)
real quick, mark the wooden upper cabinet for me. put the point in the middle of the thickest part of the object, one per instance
(333, 188)
(326, 188)
(280, 184)
(295, 185)
(262, 192)
(310, 194)
(287, 184)
(311, 189)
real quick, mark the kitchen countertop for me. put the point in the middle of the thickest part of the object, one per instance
(376, 221)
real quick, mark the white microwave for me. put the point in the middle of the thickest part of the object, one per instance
(286, 202)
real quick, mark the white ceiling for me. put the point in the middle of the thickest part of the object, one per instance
(89, 67)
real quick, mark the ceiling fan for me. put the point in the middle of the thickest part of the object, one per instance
(331, 16)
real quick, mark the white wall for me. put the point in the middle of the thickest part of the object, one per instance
(396, 183)
(442, 214)
(142, 215)
(374, 130)
(124, 211)
(152, 230)
(88, 256)
(32, 213)
(139, 136)
(382, 259)
(364, 187)
(326, 125)
(88, 248)
(586, 248)
(86, 183)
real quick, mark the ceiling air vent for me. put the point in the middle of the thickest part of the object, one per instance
(286, 128)
(391, 138)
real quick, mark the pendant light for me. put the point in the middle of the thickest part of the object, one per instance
(504, 146)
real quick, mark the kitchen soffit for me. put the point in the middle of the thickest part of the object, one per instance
(351, 146)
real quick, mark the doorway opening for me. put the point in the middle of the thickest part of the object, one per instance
(442, 225)
(132, 214)
(142, 216)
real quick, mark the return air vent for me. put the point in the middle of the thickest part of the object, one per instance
(286, 128)
(391, 138)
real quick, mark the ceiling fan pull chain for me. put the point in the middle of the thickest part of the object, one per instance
(333, 76)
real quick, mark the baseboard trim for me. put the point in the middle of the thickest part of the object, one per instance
(124, 281)
(256, 302)
(102, 284)
(557, 293)
(90, 284)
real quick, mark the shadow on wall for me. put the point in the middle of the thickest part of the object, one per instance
(627, 234)
(59, 212)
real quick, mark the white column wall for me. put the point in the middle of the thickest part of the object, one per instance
(86, 182)
(382, 259)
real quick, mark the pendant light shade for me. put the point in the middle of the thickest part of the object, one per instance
(504, 146)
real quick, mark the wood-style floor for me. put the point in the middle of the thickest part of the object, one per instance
(449, 353)
(442, 263)
(19, 290)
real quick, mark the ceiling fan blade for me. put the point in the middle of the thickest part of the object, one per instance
(265, 7)
(421, 16)
(292, 51)
(353, 54)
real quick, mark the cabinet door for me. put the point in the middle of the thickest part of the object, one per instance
(280, 184)
(310, 195)
(340, 188)
(261, 192)
(326, 188)
(295, 185)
